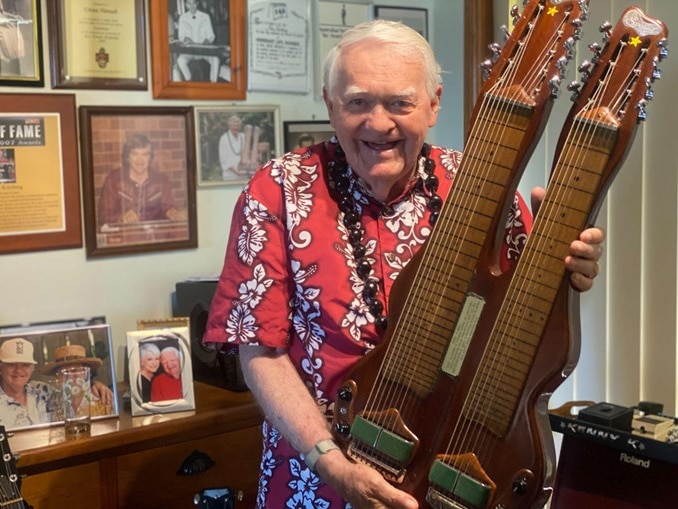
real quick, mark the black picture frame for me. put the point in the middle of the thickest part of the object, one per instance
(299, 133)
(24, 28)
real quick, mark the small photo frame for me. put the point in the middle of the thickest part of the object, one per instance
(302, 133)
(414, 17)
(131, 148)
(160, 372)
(21, 36)
(30, 355)
(198, 52)
(98, 44)
(233, 141)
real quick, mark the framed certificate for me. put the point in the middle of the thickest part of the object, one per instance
(97, 44)
(39, 182)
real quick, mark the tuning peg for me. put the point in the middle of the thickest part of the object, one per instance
(574, 88)
(649, 93)
(495, 48)
(485, 68)
(515, 14)
(584, 8)
(554, 85)
(561, 65)
(585, 68)
(663, 52)
(577, 23)
(642, 109)
(507, 33)
(656, 72)
(569, 46)
(605, 29)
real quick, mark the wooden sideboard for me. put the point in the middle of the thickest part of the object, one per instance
(132, 462)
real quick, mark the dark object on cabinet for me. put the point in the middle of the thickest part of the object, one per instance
(193, 299)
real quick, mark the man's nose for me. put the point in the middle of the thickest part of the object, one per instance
(380, 119)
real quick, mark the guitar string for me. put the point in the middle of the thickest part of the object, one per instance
(535, 77)
(462, 432)
(574, 156)
(549, 204)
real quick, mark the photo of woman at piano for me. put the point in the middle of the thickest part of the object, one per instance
(136, 192)
(196, 38)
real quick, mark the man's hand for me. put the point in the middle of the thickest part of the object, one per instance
(585, 251)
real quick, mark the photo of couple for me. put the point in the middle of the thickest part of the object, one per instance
(160, 371)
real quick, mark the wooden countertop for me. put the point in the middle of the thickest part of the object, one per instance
(217, 411)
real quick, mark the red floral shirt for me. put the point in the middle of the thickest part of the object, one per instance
(289, 280)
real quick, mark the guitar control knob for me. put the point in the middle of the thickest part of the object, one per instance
(345, 394)
(342, 428)
(519, 486)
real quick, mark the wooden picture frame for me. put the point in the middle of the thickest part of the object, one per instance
(91, 43)
(159, 384)
(163, 323)
(300, 133)
(414, 17)
(121, 145)
(233, 141)
(40, 189)
(216, 69)
(45, 341)
(21, 32)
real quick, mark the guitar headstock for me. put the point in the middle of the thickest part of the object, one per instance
(617, 83)
(552, 31)
(10, 493)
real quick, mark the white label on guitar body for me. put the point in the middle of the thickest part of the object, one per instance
(463, 333)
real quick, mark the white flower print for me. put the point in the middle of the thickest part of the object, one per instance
(305, 483)
(241, 326)
(252, 236)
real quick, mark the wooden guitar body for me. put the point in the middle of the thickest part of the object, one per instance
(453, 406)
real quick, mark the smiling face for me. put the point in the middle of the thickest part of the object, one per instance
(150, 362)
(170, 362)
(381, 113)
(15, 375)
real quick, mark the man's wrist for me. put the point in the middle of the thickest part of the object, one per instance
(322, 447)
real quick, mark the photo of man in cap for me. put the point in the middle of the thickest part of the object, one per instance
(23, 402)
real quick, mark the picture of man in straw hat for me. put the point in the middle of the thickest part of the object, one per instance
(23, 402)
(67, 356)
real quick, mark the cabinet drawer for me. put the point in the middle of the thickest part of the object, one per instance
(149, 479)
(66, 488)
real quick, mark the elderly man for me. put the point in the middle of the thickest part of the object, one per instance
(167, 385)
(23, 402)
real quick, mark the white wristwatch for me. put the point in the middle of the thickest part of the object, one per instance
(322, 447)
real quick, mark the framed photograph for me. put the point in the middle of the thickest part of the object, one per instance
(21, 49)
(160, 373)
(198, 51)
(138, 179)
(233, 141)
(302, 133)
(414, 17)
(98, 44)
(39, 177)
(29, 359)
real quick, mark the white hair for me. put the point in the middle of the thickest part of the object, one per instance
(405, 41)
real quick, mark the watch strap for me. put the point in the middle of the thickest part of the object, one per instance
(322, 447)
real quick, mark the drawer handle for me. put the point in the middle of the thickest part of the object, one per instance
(195, 463)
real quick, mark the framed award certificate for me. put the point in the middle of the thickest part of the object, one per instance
(97, 44)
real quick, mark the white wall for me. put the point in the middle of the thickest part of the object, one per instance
(63, 284)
